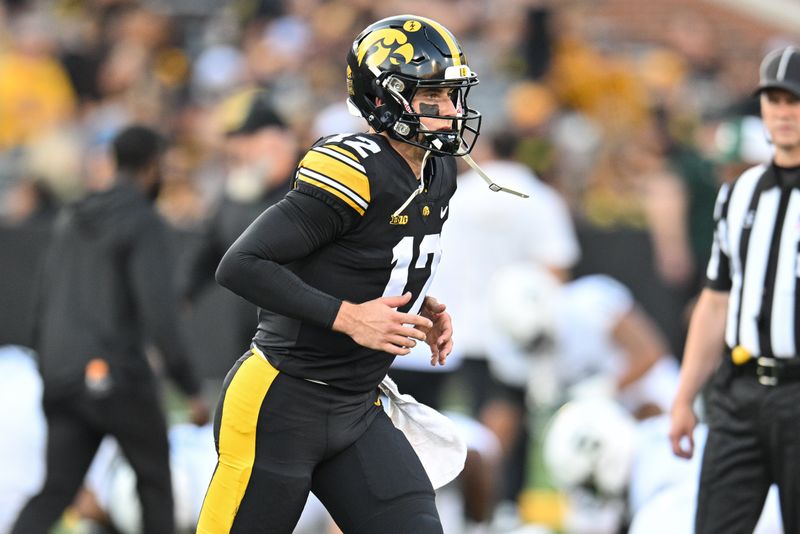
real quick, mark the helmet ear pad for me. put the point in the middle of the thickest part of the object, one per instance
(389, 114)
(379, 109)
(388, 111)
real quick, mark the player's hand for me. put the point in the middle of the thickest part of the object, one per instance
(682, 428)
(199, 413)
(376, 324)
(440, 336)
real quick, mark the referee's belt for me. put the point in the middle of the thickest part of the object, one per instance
(768, 371)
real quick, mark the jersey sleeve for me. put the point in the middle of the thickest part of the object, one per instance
(255, 267)
(335, 173)
(718, 275)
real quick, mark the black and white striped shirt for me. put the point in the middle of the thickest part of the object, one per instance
(755, 258)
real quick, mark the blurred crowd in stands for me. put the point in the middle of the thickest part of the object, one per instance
(629, 132)
(636, 136)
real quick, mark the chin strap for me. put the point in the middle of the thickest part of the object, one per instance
(493, 186)
(471, 162)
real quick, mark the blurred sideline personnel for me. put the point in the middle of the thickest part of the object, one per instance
(750, 304)
(588, 450)
(616, 471)
(263, 154)
(22, 419)
(340, 270)
(106, 284)
(588, 337)
(662, 494)
(507, 229)
(583, 340)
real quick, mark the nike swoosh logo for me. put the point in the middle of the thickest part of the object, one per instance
(443, 211)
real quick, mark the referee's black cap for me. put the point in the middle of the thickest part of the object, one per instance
(780, 69)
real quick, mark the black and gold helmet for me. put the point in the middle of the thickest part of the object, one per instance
(393, 58)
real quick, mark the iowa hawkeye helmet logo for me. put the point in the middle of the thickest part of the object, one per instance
(388, 43)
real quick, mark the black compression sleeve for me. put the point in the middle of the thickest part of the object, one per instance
(253, 267)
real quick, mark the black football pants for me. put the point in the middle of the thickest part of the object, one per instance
(279, 437)
(753, 442)
(75, 428)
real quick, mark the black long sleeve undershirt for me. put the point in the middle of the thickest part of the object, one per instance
(254, 266)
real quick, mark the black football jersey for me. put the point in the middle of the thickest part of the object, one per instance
(385, 250)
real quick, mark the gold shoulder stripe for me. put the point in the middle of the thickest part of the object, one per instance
(448, 38)
(340, 157)
(342, 151)
(335, 192)
(334, 184)
(339, 171)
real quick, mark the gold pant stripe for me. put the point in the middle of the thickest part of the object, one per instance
(237, 445)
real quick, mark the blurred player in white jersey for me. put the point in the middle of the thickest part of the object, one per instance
(604, 344)
(22, 419)
(488, 234)
(663, 488)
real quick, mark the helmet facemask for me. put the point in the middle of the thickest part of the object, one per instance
(399, 92)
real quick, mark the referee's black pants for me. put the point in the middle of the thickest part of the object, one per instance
(75, 428)
(279, 437)
(753, 442)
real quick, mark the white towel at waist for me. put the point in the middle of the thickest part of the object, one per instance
(434, 437)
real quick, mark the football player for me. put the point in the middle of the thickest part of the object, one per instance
(340, 269)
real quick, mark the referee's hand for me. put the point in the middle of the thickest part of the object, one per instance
(682, 429)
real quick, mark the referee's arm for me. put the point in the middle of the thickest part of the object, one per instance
(701, 356)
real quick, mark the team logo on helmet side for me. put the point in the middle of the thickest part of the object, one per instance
(385, 43)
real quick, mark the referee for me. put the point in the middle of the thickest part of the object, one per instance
(751, 304)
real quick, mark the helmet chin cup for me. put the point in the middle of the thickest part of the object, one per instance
(443, 142)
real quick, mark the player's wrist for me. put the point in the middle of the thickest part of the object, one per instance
(345, 318)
